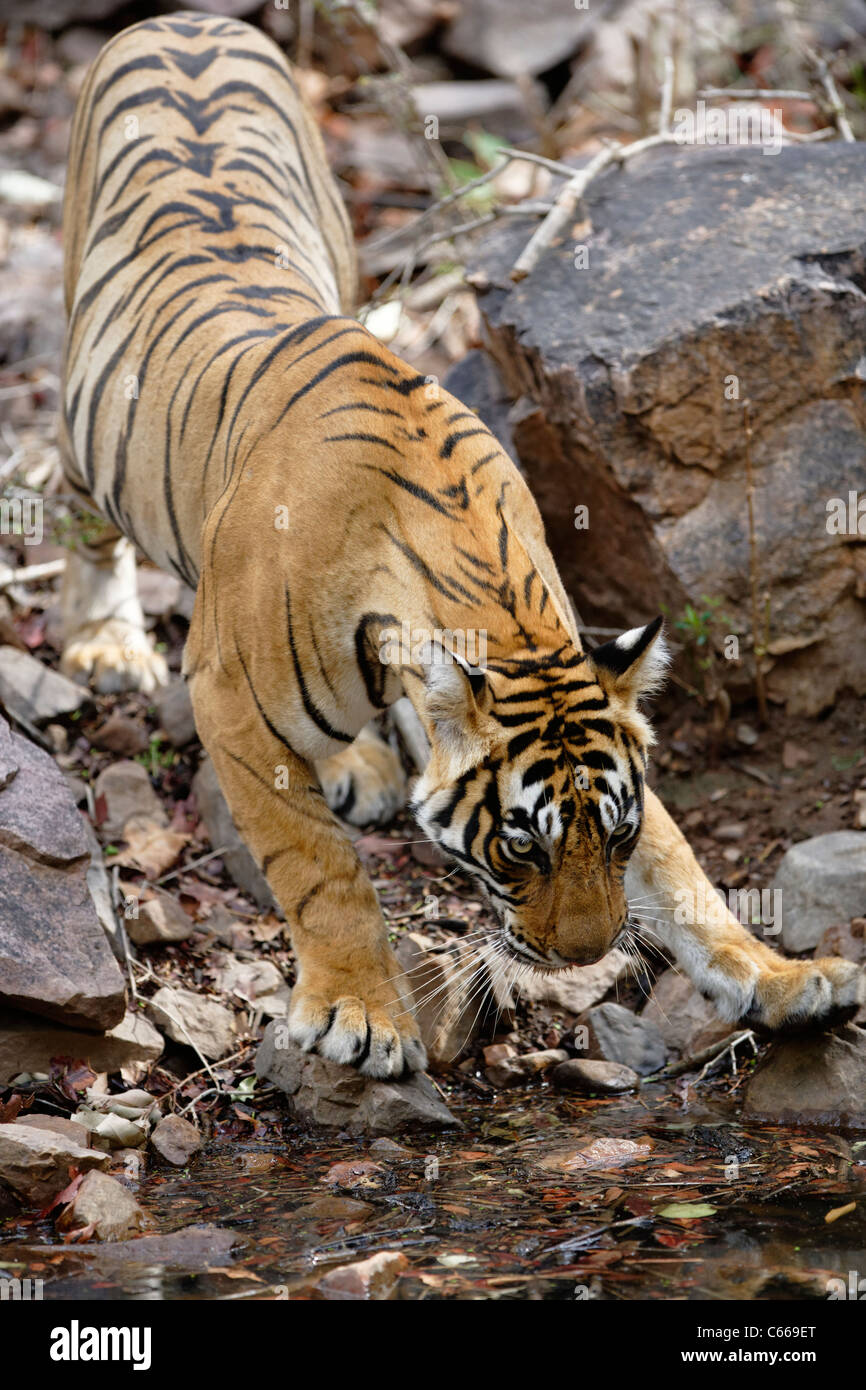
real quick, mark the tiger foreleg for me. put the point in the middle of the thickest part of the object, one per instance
(680, 911)
(104, 638)
(350, 1002)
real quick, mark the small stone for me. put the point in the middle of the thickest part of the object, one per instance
(372, 1279)
(815, 1079)
(35, 692)
(58, 1124)
(257, 982)
(195, 1021)
(28, 1045)
(846, 939)
(160, 918)
(583, 1075)
(105, 1204)
(618, 1035)
(497, 1053)
(731, 830)
(124, 793)
(35, 1162)
(746, 735)
(514, 1071)
(174, 707)
(823, 882)
(326, 1093)
(681, 1014)
(176, 1140)
(389, 1148)
(333, 1208)
(575, 990)
(122, 735)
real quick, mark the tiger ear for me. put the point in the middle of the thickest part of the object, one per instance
(458, 694)
(634, 664)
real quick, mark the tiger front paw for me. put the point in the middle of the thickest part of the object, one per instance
(113, 656)
(380, 1041)
(807, 994)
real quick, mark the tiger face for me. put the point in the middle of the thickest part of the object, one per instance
(535, 787)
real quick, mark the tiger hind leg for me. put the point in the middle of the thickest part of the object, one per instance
(364, 784)
(104, 639)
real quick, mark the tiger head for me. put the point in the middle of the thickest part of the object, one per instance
(535, 787)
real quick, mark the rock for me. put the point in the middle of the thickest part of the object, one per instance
(158, 591)
(847, 940)
(511, 39)
(195, 1021)
(55, 958)
(160, 918)
(122, 735)
(576, 990)
(332, 1208)
(618, 1035)
(814, 1079)
(36, 1163)
(822, 882)
(588, 1076)
(105, 1204)
(176, 1140)
(514, 1071)
(374, 1278)
(193, 1248)
(34, 692)
(27, 1046)
(325, 1093)
(630, 379)
(58, 1124)
(224, 836)
(449, 1013)
(174, 707)
(124, 794)
(681, 1014)
(258, 982)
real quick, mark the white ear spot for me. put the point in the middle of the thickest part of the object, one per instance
(626, 640)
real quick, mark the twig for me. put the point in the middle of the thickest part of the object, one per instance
(572, 192)
(30, 574)
(757, 643)
(667, 97)
(193, 864)
(700, 1059)
(754, 94)
(825, 77)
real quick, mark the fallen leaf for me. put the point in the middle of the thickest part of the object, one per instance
(151, 848)
(686, 1211)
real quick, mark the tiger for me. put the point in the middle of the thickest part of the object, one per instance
(226, 415)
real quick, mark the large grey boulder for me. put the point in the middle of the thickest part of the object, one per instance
(823, 884)
(713, 275)
(55, 957)
(325, 1093)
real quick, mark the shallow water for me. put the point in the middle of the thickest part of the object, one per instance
(538, 1197)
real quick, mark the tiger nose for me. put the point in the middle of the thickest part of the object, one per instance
(585, 953)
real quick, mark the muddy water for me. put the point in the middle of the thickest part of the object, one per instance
(538, 1197)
